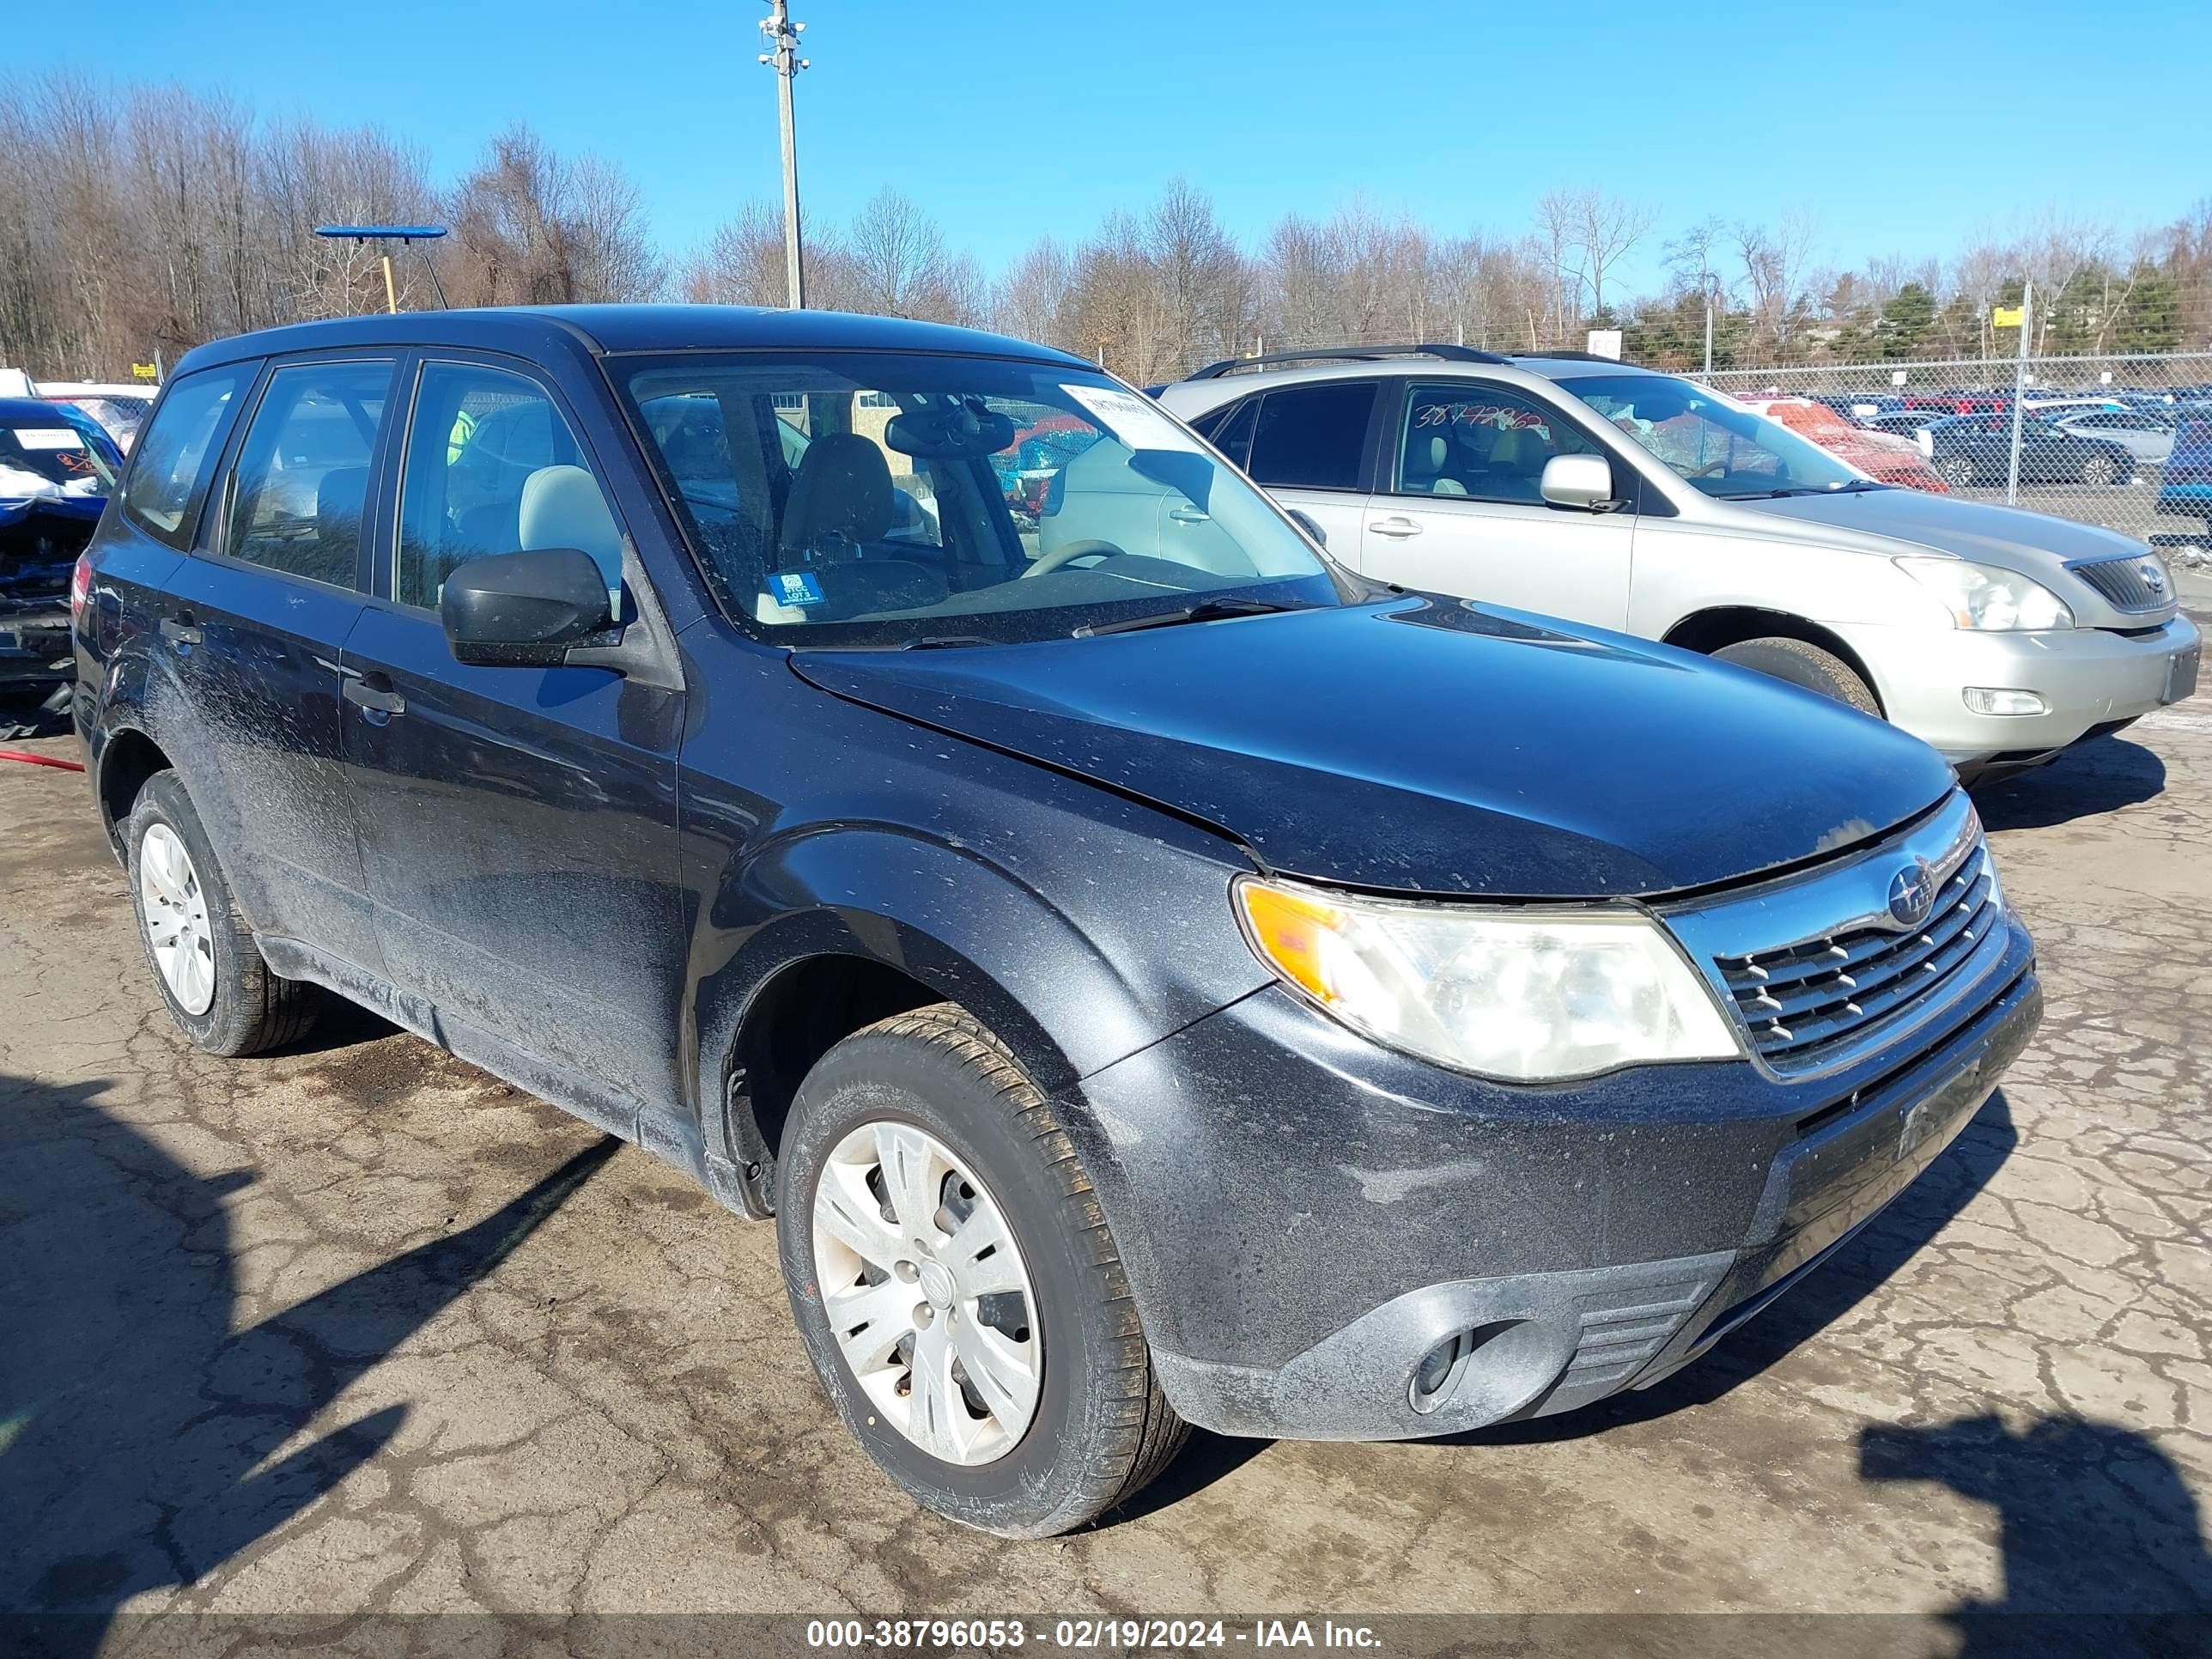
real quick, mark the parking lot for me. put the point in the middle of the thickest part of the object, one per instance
(358, 1328)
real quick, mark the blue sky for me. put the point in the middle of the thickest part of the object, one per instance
(1902, 128)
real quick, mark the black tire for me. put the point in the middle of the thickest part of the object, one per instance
(1102, 1430)
(1802, 663)
(253, 1008)
(1958, 471)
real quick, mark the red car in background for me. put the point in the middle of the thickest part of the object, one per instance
(1882, 456)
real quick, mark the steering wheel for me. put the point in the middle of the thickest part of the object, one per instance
(1048, 563)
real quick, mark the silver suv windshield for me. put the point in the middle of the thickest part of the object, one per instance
(1717, 445)
(900, 499)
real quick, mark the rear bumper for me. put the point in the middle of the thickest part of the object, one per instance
(1304, 1216)
(2089, 679)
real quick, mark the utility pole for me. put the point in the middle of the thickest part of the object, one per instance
(782, 56)
(2019, 390)
(1711, 287)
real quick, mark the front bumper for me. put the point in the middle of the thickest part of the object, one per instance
(1304, 1215)
(2089, 679)
(34, 649)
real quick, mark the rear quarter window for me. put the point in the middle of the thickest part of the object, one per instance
(170, 461)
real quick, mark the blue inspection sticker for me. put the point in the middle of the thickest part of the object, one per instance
(800, 587)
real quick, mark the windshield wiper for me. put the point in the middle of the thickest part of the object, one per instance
(1204, 611)
(943, 642)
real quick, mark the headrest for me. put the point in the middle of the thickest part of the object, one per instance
(843, 488)
(562, 506)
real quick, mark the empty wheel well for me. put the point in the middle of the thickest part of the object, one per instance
(129, 758)
(1707, 631)
(794, 1019)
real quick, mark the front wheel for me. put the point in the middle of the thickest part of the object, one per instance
(1957, 470)
(1802, 663)
(956, 1286)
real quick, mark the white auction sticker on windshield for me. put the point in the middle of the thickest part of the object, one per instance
(1133, 419)
(48, 437)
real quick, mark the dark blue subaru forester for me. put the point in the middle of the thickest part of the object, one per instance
(1150, 977)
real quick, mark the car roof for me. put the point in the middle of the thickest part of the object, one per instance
(1523, 369)
(528, 329)
(13, 409)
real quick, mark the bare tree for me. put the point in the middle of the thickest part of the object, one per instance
(1029, 303)
(1604, 230)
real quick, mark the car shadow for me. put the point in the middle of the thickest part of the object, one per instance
(2102, 1545)
(2098, 776)
(142, 1439)
(1839, 1285)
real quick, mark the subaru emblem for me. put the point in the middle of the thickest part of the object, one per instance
(2153, 576)
(1913, 894)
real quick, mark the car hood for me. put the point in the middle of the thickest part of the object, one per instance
(1425, 745)
(2034, 544)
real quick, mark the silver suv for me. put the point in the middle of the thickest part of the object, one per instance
(1585, 488)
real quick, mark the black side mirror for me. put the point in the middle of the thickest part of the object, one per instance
(1310, 524)
(523, 610)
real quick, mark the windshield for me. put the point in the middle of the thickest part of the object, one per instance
(1716, 443)
(49, 456)
(890, 499)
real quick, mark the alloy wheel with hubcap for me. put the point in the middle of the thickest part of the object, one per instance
(926, 1293)
(177, 928)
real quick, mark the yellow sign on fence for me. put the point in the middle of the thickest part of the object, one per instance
(143, 371)
(2007, 316)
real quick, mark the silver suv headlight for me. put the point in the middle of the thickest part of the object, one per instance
(1985, 597)
(1525, 996)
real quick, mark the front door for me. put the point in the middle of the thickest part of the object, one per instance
(518, 824)
(1460, 510)
(251, 626)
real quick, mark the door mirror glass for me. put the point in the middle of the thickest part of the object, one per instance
(523, 610)
(1583, 482)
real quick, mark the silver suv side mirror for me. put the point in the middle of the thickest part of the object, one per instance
(1581, 481)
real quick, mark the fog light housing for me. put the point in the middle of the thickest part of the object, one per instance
(1437, 1377)
(1999, 699)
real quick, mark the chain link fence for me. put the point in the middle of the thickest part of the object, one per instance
(2121, 441)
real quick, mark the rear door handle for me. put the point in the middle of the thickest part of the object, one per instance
(1189, 515)
(181, 628)
(374, 692)
(1394, 527)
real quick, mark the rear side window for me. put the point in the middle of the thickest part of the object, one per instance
(170, 462)
(302, 480)
(493, 467)
(1309, 437)
(1230, 429)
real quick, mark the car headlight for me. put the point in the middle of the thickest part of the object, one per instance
(1983, 596)
(1526, 995)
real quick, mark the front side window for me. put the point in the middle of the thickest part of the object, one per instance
(492, 466)
(302, 480)
(1479, 442)
(1715, 443)
(1310, 437)
(864, 499)
(170, 460)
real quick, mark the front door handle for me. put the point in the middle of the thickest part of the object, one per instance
(183, 628)
(1189, 515)
(1394, 526)
(374, 692)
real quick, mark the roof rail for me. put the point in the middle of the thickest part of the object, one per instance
(1457, 354)
(1576, 356)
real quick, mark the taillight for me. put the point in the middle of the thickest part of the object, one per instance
(80, 590)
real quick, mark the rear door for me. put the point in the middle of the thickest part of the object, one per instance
(518, 824)
(1459, 510)
(250, 628)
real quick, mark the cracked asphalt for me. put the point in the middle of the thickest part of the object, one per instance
(360, 1329)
